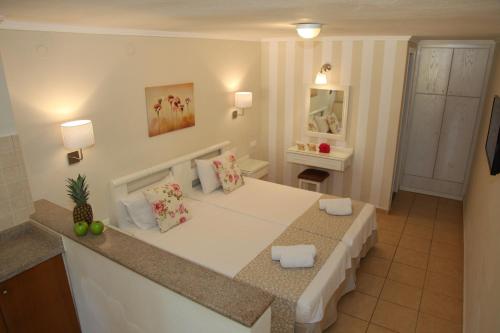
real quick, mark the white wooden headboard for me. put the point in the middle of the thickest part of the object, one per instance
(182, 168)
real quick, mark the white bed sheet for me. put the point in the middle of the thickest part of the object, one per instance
(283, 205)
(226, 241)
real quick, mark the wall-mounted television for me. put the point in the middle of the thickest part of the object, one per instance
(493, 140)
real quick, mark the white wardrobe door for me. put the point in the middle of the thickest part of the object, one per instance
(467, 72)
(434, 70)
(424, 135)
(456, 138)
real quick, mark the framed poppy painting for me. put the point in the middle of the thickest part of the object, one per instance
(169, 108)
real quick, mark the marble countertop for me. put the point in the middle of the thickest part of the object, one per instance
(25, 246)
(235, 300)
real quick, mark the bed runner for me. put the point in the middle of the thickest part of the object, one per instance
(313, 227)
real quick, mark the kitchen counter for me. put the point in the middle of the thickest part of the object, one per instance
(25, 246)
(235, 300)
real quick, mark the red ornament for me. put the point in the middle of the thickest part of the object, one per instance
(324, 148)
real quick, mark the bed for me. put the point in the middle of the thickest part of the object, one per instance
(228, 231)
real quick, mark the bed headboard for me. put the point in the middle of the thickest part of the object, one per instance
(182, 168)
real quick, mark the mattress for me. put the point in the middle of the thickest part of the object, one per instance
(225, 241)
(282, 205)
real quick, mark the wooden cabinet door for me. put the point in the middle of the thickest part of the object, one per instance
(424, 135)
(3, 328)
(467, 72)
(39, 300)
(455, 142)
(434, 70)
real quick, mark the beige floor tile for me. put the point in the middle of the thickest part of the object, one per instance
(369, 284)
(415, 243)
(411, 258)
(392, 223)
(445, 250)
(444, 307)
(446, 266)
(395, 317)
(406, 274)
(418, 230)
(430, 324)
(444, 284)
(455, 238)
(428, 222)
(372, 328)
(388, 237)
(375, 266)
(348, 324)
(401, 294)
(358, 305)
(381, 250)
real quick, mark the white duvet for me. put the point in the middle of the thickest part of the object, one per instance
(228, 230)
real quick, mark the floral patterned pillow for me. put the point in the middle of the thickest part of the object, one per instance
(166, 201)
(229, 173)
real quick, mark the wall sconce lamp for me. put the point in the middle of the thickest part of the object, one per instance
(321, 76)
(77, 134)
(242, 100)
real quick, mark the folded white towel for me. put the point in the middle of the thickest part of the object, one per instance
(278, 251)
(341, 206)
(296, 260)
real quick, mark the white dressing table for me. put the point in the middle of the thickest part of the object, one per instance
(338, 159)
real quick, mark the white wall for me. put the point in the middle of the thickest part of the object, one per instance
(482, 230)
(55, 77)
(374, 69)
(7, 126)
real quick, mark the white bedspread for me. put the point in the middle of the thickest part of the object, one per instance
(225, 241)
(228, 230)
(283, 205)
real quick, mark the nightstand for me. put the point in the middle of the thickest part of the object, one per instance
(253, 168)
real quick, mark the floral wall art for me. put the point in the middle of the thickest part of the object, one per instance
(169, 108)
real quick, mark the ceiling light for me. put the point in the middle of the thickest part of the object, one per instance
(308, 30)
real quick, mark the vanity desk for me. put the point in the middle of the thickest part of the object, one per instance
(325, 119)
(338, 159)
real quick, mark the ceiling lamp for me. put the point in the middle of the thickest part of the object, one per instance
(308, 30)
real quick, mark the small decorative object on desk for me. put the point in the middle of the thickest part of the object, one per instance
(78, 191)
(312, 147)
(324, 148)
(301, 146)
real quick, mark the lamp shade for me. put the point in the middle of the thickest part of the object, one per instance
(77, 134)
(243, 99)
(308, 30)
(321, 78)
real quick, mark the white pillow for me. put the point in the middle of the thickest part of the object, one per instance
(138, 208)
(322, 124)
(206, 172)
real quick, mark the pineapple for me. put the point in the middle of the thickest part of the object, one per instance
(78, 191)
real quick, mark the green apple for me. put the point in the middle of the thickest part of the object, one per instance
(81, 228)
(96, 227)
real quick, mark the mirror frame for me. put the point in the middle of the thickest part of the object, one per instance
(345, 111)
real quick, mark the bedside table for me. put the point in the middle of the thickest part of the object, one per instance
(253, 168)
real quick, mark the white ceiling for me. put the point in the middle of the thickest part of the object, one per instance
(270, 18)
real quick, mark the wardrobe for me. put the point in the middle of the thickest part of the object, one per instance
(443, 115)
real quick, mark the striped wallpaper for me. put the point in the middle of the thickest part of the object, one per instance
(374, 68)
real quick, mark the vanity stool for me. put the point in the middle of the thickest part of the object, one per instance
(315, 177)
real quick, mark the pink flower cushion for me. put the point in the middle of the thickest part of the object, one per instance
(166, 201)
(229, 173)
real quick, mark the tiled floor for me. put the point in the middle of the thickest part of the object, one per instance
(411, 281)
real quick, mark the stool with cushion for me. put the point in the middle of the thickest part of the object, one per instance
(314, 177)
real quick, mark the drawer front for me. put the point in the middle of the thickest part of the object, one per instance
(325, 163)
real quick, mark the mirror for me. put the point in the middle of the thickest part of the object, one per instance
(327, 111)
